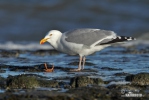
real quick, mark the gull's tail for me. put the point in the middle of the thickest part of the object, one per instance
(119, 39)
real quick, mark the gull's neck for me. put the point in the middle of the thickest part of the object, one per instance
(55, 41)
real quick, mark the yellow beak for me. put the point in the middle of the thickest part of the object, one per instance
(43, 40)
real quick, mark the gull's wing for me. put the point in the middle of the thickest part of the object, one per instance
(89, 37)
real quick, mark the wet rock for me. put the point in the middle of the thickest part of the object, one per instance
(22, 81)
(139, 79)
(111, 69)
(26, 69)
(48, 83)
(26, 81)
(121, 74)
(86, 64)
(90, 93)
(45, 52)
(2, 71)
(37, 95)
(125, 89)
(34, 68)
(81, 81)
(120, 86)
(81, 93)
(3, 66)
(35, 75)
(62, 78)
(2, 82)
(10, 53)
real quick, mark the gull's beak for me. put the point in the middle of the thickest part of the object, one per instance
(43, 40)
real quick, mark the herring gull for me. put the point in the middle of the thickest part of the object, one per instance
(82, 42)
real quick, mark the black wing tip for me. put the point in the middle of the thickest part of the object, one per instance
(125, 38)
(119, 39)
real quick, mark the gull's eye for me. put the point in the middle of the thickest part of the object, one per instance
(50, 34)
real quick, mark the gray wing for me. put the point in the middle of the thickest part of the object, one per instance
(88, 36)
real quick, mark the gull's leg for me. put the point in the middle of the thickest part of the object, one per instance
(83, 62)
(79, 67)
(80, 61)
(47, 69)
(45, 65)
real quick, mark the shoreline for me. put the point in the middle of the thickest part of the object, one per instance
(111, 73)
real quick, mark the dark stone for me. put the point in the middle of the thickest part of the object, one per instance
(27, 81)
(139, 79)
(129, 77)
(22, 81)
(48, 83)
(111, 69)
(81, 81)
(45, 52)
(33, 68)
(2, 82)
(121, 74)
(9, 53)
(2, 71)
(3, 66)
(91, 93)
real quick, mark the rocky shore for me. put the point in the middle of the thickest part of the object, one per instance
(31, 82)
(33, 87)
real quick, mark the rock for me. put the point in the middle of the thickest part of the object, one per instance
(81, 81)
(3, 66)
(45, 52)
(120, 90)
(26, 68)
(8, 53)
(111, 69)
(28, 81)
(139, 79)
(22, 81)
(2, 71)
(33, 68)
(121, 74)
(48, 83)
(2, 82)
(91, 93)
(37, 95)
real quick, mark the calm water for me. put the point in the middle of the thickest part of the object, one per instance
(112, 57)
(23, 20)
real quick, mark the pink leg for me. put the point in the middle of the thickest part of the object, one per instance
(83, 62)
(80, 61)
(79, 67)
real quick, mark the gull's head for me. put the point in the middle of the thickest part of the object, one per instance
(51, 36)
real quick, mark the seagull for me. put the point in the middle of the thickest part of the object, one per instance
(82, 42)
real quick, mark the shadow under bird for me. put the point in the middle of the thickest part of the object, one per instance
(82, 42)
